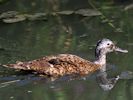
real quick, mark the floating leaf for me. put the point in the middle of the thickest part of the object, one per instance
(15, 19)
(88, 12)
(128, 7)
(67, 12)
(8, 14)
(36, 16)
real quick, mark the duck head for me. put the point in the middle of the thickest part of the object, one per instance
(103, 47)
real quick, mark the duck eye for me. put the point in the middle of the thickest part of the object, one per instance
(108, 44)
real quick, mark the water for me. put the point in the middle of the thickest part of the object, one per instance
(74, 34)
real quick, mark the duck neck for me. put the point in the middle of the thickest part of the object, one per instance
(101, 59)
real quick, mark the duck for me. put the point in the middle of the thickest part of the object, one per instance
(67, 64)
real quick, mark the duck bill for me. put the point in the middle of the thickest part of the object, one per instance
(120, 50)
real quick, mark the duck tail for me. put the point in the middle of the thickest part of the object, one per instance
(18, 65)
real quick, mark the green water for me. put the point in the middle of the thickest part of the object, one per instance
(75, 34)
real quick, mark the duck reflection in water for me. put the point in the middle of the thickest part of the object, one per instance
(108, 83)
(104, 82)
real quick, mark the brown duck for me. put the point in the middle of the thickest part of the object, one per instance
(64, 64)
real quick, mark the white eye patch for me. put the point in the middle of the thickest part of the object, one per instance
(105, 44)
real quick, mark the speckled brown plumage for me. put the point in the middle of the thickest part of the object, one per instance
(58, 65)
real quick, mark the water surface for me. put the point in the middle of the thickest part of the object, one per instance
(75, 34)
